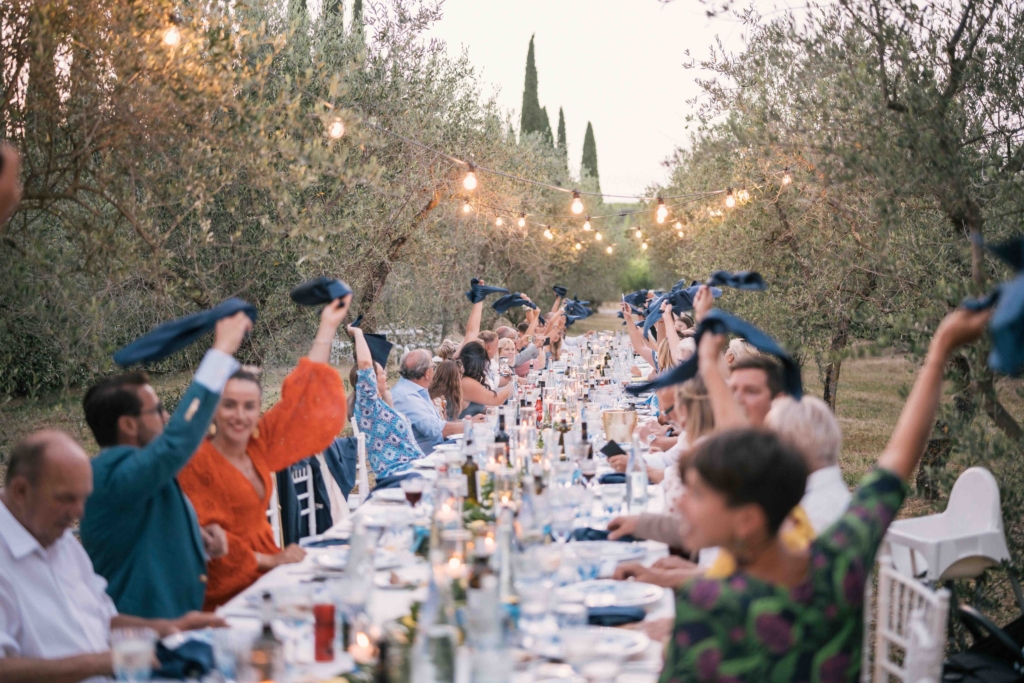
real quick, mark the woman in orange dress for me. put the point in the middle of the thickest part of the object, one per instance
(228, 479)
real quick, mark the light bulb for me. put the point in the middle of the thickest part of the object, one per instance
(639, 234)
(586, 225)
(172, 36)
(466, 208)
(730, 200)
(336, 128)
(680, 233)
(578, 246)
(743, 195)
(577, 203)
(679, 226)
(522, 220)
(547, 233)
(609, 249)
(598, 236)
(499, 222)
(644, 246)
(662, 210)
(786, 178)
(469, 182)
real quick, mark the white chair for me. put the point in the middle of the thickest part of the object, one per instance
(961, 542)
(362, 488)
(274, 512)
(910, 629)
(302, 477)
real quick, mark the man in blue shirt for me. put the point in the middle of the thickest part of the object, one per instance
(139, 529)
(412, 398)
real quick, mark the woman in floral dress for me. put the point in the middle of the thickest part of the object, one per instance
(784, 615)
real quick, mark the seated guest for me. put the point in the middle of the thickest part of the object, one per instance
(55, 613)
(139, 529)
(446, 389)
(786, 615)
(447, 350)
(810, 427)
(739, 350)
(475, 389)
(229, 479)
(390, 446)
(490, 343)
(755, 382)
(411, 398)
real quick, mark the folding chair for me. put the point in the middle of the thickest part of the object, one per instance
(274, 512)
(302, 477)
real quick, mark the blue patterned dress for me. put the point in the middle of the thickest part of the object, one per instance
(390, 445)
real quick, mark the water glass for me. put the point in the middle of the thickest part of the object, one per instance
(612, 497)
(562, 520)
(132, 650)
(295, 623)
(571, 615)
(588, 561)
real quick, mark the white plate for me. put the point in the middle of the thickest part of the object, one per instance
(609, 593)
(611, 550)
(389, 495)
(407, 578)
(334, 560)
(603, 641)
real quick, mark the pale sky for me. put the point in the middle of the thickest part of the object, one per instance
(616, 63)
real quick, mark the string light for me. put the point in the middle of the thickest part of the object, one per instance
(639, 233)
(586, 225)
(336, 128)
(680, 233)
(730, 200)
(786, 177)
(499, 222)
(578, 246)
(522, 220)
(598, 236)
(547, 233)
(743, 195)
(678, 226)
(466, 208)
(644, 246)
(172, 36)
(577, 203)
(469, 182)
(662, 210)
(609, 249)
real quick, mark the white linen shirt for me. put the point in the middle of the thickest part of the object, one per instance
(826, 497)
(52, 603)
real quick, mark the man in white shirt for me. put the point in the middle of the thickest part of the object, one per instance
(55, 614)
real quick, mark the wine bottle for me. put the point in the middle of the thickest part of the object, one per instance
(267, 656)
(469, 471)
(502, 436)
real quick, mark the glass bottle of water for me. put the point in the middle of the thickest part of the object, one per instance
(636, 479)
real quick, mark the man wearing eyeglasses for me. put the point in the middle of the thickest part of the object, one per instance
(139, 528)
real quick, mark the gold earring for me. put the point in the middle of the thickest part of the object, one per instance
(212, 431)
(256, 433)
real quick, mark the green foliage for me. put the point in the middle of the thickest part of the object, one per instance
(637, 275)
(532, 120)
(562, 145)
(588, 167)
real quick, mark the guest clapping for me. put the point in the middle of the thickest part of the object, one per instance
(475, 389)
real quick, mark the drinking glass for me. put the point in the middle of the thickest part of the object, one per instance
(571, 615)
(295, 622)
(413, 490)
(588, 561)
(588, 469)
(562, 520)
(612, 497)
(132, 650)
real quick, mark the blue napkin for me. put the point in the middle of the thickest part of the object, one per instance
(168, 337)
(478, 292)
(560, 290)
(319, 291)
(504, 303)
(191, 659)
(615, 616)
(745, 279)
(720, 322)
(612, 478)
(589, 534)
(325, 543)
(1007, 323)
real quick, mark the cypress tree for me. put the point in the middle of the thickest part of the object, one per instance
(531, 118)
(588, 167)
(357, 16)
(562, 145)
(546, 123)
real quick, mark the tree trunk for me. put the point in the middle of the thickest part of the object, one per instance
(839, 340)
(370, 294)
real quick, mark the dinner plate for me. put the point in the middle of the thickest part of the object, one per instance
(399, 578)
(609, 593)
(609, 550)
(588, 642)
(337, 559)
(389, 495)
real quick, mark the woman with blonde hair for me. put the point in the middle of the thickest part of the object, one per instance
(446, 389)
(447, 350)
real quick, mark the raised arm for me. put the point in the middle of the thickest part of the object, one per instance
(908, 440)
(330, 318)
(364, 361)
(670, 331)
(635, 336)
(478, 393)
(726, 409)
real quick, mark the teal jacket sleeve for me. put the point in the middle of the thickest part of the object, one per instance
(148, 469)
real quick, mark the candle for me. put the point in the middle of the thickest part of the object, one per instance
(489, 544)
(455, 567)
(362, 650)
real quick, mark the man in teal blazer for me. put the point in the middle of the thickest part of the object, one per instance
(139, 529)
